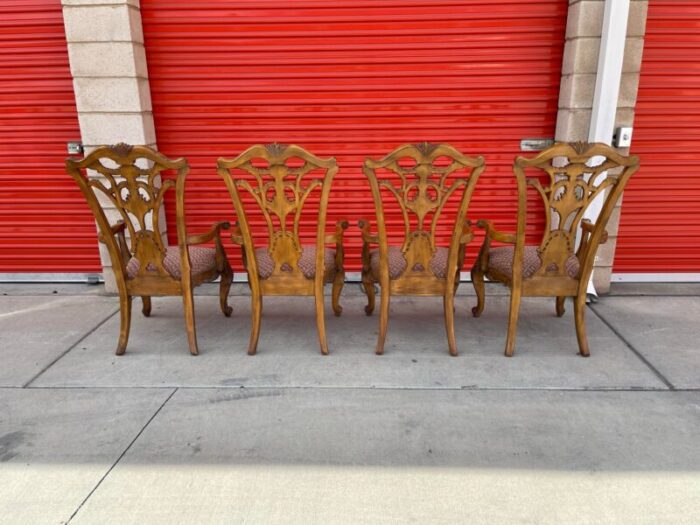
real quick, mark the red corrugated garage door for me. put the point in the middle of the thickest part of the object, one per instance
(660, 223)
(352, 79)
(45, 225)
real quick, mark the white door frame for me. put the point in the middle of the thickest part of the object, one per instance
(607, 88)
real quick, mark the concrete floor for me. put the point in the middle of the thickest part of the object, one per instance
(290, 436)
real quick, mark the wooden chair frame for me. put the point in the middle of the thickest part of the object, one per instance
(574, 184)
(280, 193)
(131, 188)
(418, 196)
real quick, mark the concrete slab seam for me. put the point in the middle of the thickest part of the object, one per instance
(633, 349)
(71, 347)
(464, 388)
(121, 456)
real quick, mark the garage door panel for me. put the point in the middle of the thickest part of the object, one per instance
(351, 80)
(45, 224)
(660, 221)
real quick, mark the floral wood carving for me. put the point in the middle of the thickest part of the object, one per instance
(576, 177)
(122, 149)
(275, 149)
(426, 148)
(580, 146)
(137, 196)
(281, 190)
(422, 191)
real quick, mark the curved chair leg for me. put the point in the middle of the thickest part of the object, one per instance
(256, 309)
(146, 305)
(512, 321)
(125, 323)
(560, 306)
(449, 307)
(479, 288)
(383, 319)
(188, 305)
(579, 317)
(321, 319)
(338, 283)
(224, 287)
(368, 287)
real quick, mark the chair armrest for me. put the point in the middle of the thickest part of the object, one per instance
(493, 234)
(236, 235)
(589, 227)
(119, 227)
(118, 230)
(467, 234)
(214, 233)
(337, 237)
(482, 260)
(115, 229)
(367, 237)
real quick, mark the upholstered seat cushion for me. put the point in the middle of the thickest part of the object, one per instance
(306, 263)
(501, 259)
(201, 260)
(397, 262)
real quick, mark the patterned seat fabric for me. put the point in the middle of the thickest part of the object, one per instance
(201, 260)
(306, 263)
(397, 262)
(501, 259)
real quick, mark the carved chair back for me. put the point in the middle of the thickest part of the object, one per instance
(127, 178)
(279, 179)
(570, 177)
(420, 179)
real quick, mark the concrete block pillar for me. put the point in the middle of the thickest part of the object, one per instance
(579, 72)
(110, 79)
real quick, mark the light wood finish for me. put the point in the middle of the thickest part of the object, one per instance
(422, 190)
(574, 178)
(276, 178)
(127, 181)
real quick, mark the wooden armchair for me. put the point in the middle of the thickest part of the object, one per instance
(575, 176)
(273, 177)
(417, 265)
(142, 263)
